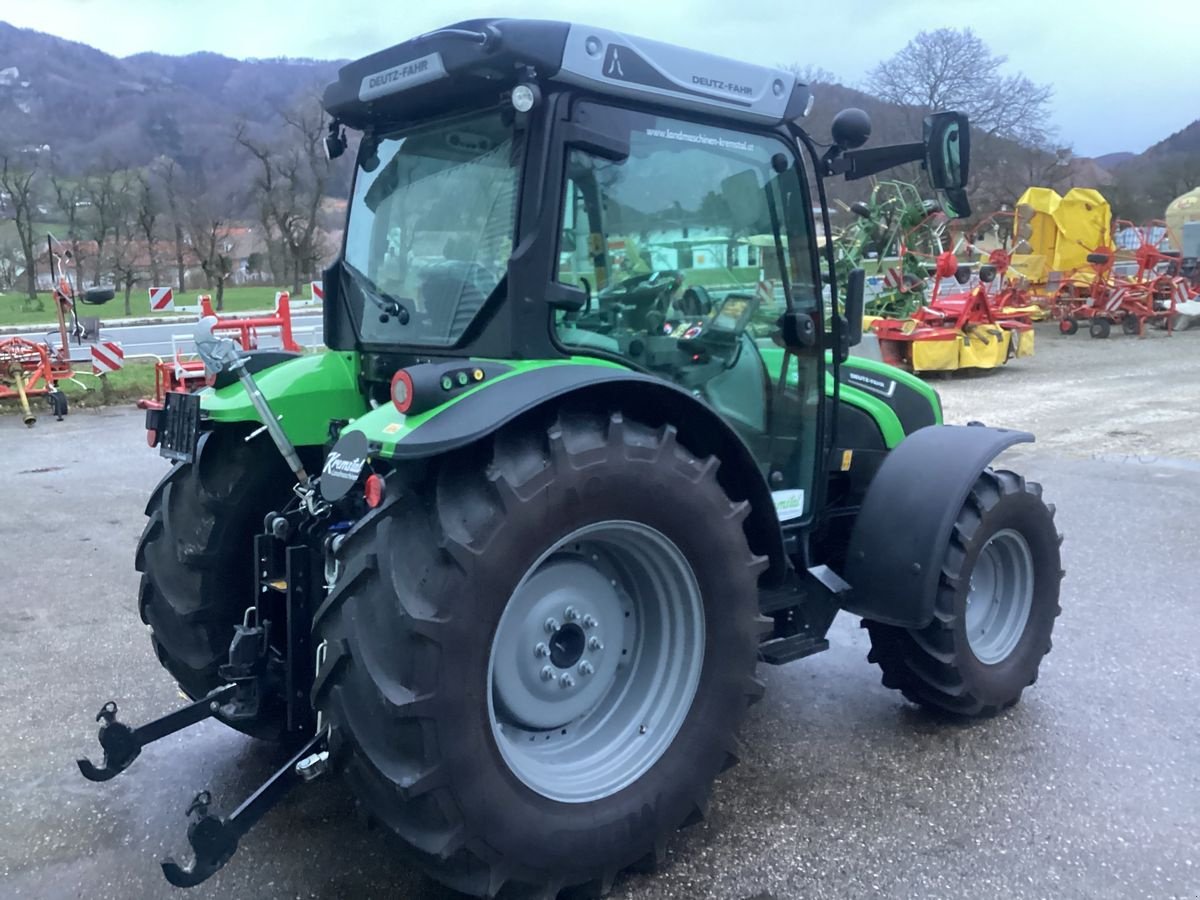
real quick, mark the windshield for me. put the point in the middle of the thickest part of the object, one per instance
(431, 228)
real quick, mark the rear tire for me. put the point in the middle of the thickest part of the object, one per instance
(1100, 328)
(1131, 325)
(995, 607)
(1068, 325)
(410, 687)
(196, 556)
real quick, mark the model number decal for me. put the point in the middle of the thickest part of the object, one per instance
(885, 387)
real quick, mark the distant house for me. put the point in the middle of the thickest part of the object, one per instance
(697, 247)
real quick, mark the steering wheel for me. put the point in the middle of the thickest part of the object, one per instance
(644, 298)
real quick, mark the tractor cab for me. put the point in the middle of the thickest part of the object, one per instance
(600, 197)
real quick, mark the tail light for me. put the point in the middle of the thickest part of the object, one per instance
(373, 490)
(402, 390)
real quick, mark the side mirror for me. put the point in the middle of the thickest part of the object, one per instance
(947, 160)
(852, 323)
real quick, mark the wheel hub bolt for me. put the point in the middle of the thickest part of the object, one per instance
(547, 673)
(586, 668)
(589, 622)
(570, 614)
(566, 681)
(541, 651)
(595, 643)
(551, 625)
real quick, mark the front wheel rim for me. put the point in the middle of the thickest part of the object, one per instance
(1000, 597)
(596, 661)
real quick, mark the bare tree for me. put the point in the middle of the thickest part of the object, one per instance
(147, 210)
(104, 189)
(293, 175)
(21, 186)
(208, 229)
(169, 175)
(952, 68)
(71, 199)
(125, 251)
(811, 74)
(10, 256)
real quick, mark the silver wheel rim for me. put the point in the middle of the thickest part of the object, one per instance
(595, 661)
(1000, 597)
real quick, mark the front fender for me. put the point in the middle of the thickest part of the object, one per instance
(900, 536)
(528, 386)
(305, 392)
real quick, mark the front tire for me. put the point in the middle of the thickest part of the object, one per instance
(514, 781)
(995, 607)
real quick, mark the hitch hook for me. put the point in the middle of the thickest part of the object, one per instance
(122, 744)
(214, 840)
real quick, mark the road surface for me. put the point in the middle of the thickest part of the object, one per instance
(157, 339)
(1090, 788)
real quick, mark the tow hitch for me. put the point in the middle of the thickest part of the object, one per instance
(214, 839)
(270, 662)
(122, 744)
(252, 675)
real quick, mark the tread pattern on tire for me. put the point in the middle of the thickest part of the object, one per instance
(926, 665)
(196, 556)
(392, 750)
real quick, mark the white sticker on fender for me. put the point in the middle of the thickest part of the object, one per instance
(788, 504)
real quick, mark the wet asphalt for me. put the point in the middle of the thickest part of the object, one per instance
(1090, 788)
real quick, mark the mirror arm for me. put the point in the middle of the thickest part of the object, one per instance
(862, 163)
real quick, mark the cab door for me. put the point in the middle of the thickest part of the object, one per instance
(692, 247)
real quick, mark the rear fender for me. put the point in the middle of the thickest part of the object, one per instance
(305, 393)
(900, 536)
(529, 387)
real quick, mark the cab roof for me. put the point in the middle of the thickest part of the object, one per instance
(474, 62)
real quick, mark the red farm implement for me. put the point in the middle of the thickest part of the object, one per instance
(982, 326)
(30, 369)
(1131, 287)
(185, 371)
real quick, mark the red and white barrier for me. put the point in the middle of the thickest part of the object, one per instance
(317, 291)
(107, 356)
(162, 299)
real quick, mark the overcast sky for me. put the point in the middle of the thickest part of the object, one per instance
(1126, 73)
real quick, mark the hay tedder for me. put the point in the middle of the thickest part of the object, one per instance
(981, 326)
(894, 230)
(1151, 290)
(31, 369)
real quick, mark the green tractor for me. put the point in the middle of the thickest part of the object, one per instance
(507, 556)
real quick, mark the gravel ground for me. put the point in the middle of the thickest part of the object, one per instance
(1082, 397)
(1090, 788)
